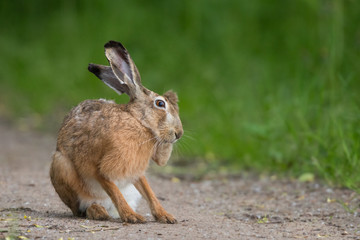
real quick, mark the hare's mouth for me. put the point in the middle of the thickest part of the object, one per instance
(172, 141)
(169, 136)
(167, 139)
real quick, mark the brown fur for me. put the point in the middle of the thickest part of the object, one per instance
(105, 142)
(97, 212)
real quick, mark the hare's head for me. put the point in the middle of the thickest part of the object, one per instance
(158, 113)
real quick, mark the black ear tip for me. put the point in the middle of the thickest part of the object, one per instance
(111, 44)
(94, 69)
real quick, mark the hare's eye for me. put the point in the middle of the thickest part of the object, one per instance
(160, 103)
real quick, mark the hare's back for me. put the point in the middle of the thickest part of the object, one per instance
(87, 125)
(90, 114)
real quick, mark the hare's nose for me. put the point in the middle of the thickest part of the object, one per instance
(178, 134)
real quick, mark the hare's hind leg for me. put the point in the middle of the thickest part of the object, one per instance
(64, 179)
(97, 212)
(68, 186)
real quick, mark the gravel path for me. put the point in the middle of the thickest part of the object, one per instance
(226, 208)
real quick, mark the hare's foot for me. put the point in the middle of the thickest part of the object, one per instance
(133, 218)
(157, 210)
(165, 217)
(97, 212)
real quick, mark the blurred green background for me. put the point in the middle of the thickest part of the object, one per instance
(264, 85)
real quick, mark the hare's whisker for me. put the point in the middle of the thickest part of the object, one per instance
(189, 137)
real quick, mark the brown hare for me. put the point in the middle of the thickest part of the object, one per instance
(103, 148)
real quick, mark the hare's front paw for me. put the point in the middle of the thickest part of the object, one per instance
(133, 218)
(165, 217)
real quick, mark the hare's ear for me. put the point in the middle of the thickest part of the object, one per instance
(106, 75)
(173, 99)
(123, 67)
(171, 96)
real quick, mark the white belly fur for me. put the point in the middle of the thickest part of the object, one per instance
(128, 190)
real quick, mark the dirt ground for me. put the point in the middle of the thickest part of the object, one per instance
(223, 208)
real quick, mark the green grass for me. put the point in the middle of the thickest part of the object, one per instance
(264, 85)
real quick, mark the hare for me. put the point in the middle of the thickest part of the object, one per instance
(103, 148)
